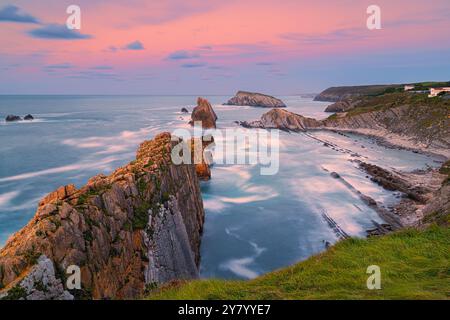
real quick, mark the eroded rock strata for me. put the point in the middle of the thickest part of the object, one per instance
(253, 99)
(135, 228)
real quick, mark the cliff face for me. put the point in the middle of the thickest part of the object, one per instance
(419, 124)
(205, 113)
(415, 127)
(243, 98)
(138, 227)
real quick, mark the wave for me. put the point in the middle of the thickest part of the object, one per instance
(86, 165)
(240, 266)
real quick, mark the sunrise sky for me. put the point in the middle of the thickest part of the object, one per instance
(218, 47)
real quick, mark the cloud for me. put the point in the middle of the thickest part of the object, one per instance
(102, 67)
(351, 34)
(12, 13)
(136, 45)
(193, 65)
(265, 63)
(181, 55)
(59, 66)
(57, 32)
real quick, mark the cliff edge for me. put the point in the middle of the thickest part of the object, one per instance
(138, 227)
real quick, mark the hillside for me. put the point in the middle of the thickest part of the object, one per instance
(414, 265)
(334, 94)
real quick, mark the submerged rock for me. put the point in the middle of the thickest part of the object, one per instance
(11, 118)
(204, 113)
(244, 98)
(138, 227)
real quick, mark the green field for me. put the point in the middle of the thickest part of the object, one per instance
(414, 265)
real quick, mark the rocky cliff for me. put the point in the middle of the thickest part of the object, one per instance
(204, 113)
(244, 98)
(131, 230)
(421, 126)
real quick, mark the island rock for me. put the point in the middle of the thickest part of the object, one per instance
(244, 98)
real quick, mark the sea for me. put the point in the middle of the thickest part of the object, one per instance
(254, 223)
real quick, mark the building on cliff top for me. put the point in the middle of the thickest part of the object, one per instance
(436, 91)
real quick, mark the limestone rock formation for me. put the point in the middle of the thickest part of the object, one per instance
(136, 228)
(283, 120)
(244, 98)
(204, 113)
(12, 117)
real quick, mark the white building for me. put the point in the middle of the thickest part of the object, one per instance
(435, 91)
(409, 87)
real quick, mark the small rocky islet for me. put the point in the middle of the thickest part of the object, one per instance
(14, 118)
(254, 99)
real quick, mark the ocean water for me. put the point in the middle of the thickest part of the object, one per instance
(254, 223)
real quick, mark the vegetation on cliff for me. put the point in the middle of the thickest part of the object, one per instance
(414, 265)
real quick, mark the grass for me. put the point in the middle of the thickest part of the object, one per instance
(414, 265)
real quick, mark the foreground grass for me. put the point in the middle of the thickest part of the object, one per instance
(414, 265)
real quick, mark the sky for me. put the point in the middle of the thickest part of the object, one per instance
(278, 47)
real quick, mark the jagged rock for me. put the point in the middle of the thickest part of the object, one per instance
(135, 228)
(11, 118)
(204, 113)
(28, 117)
(283, 120)
(393, 182)
(244, 98)
(184, 110)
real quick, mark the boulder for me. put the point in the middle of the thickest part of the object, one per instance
(28, 117)
(184, 110)
(11, 118)
(253, 99)
(204, 113)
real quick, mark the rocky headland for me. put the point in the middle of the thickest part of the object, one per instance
(396, 120)
(335, 94)
(136, 228)
(253, 99)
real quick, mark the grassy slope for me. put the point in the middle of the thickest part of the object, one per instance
(414, 265)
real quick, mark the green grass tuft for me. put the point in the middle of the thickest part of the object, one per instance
(414, 265)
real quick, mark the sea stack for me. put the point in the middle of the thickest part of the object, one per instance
(204, 113)
(128, 231)
(253, 99)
